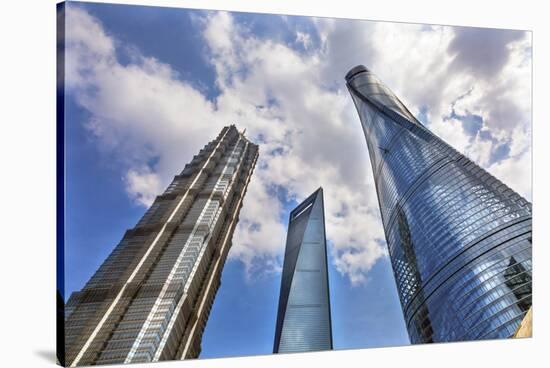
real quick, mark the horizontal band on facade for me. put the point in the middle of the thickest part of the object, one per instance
(305, 305)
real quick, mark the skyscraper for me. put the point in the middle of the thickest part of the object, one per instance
(459, 240)
(151, 298)
(303, 317)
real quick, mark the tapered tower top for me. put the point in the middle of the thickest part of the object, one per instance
(370, 88)
(356, 70)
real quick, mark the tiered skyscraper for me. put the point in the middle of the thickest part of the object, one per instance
(151, 298)
(459, 240)
(303, 317)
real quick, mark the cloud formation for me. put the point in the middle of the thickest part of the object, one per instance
(484, 53)
(292, 100)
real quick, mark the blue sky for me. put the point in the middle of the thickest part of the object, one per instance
(148, 87)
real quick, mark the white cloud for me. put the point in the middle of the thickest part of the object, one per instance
(307, 125)
(297, 107)
(516, 170)
(304, 39)
(433, 67)
(143, 185)
(141, 112)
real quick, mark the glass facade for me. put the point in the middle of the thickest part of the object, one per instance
(303, 317)
(459, 239)
(151, 297)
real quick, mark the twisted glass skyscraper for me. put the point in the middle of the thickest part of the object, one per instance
(303, 317)
(459, 240)
(151, 298)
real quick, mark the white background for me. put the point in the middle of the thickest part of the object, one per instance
(27, 205)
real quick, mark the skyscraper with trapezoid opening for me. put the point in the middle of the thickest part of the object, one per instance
(303, 317)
